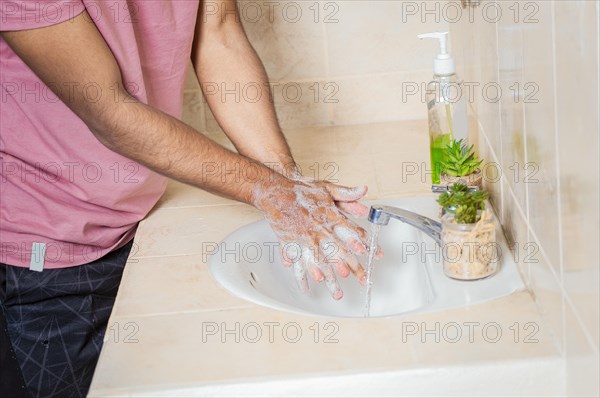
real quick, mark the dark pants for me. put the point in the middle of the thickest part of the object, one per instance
(55, 320)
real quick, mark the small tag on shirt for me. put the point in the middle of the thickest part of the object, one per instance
(38, 251)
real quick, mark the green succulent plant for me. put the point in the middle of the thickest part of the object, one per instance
(463, 203)
(459, 160)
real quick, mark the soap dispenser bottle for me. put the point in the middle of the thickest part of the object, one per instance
(446, 105)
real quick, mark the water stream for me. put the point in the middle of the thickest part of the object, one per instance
(373, 238)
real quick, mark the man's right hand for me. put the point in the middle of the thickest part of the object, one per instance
(315, 235)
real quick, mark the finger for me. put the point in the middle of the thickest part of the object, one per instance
(351, 238)
(355, 209)
(311, 264)
(300, 275)
(331, 281)
(352, 262)
(315, 273)
(363, 235)
(346, 194)
(290, 253)
(361, 275)
(330, 252)
(340, 267)
(287, 262)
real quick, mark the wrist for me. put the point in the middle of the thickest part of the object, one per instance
(268, 190)
(285, 165)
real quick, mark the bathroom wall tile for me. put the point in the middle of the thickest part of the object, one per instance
(514, 225)
(212, 126)
(512, 123)
(382, 138)
(306, 93)
(168, 285)
(577, 66)
(221, 138)
(300, 104)
(486, 79)
(492, 173)
(287, 32)
(380, 98)
(468, 62)
(542, 179)
(583, 360)
(351, 156)
(191, 81)
(459, 34)
(392, 164)
(355, 170)
(349, 170)
(402, 161)
(380, 37)
(182, 231)
(547, 290)
(305, 144)
(495, 336)
(297, 104)
(473, 130)
(184, 352)
(193, 102)
(202, 348)
(194, 109)
(581, 290)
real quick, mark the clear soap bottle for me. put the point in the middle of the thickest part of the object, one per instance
(446, 105)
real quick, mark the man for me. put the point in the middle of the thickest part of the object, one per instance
(92, 93)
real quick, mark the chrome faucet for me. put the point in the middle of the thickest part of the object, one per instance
(381, 215)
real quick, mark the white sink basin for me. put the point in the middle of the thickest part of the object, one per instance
(408, 279)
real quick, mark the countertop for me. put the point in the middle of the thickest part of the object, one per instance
(175, 332)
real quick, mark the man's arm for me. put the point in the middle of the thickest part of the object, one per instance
(305, 215)
(223, 58)
(74, 51)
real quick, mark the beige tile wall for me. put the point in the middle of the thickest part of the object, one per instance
(543, 132)
(342, 62)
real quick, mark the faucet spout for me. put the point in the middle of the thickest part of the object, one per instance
(381, 215)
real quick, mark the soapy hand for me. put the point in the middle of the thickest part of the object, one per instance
(316, 236)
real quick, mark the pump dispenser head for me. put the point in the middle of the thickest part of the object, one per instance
(443, 64)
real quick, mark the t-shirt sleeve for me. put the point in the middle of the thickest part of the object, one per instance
(32, 14)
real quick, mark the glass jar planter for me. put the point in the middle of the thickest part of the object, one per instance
(470, 251)
(475, 179)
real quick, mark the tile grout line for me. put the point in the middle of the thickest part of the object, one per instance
(354, 77)
(586, 333)
(530, 232)
(502, 200)
(185, 312)
(327, 68)
(525, 148)
(561, 258)
(528, 225)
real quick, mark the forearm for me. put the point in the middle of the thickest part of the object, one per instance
(174, 149)
(74, 51)
(237, 90)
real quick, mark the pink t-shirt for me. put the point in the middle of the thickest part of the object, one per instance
(64, 196)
